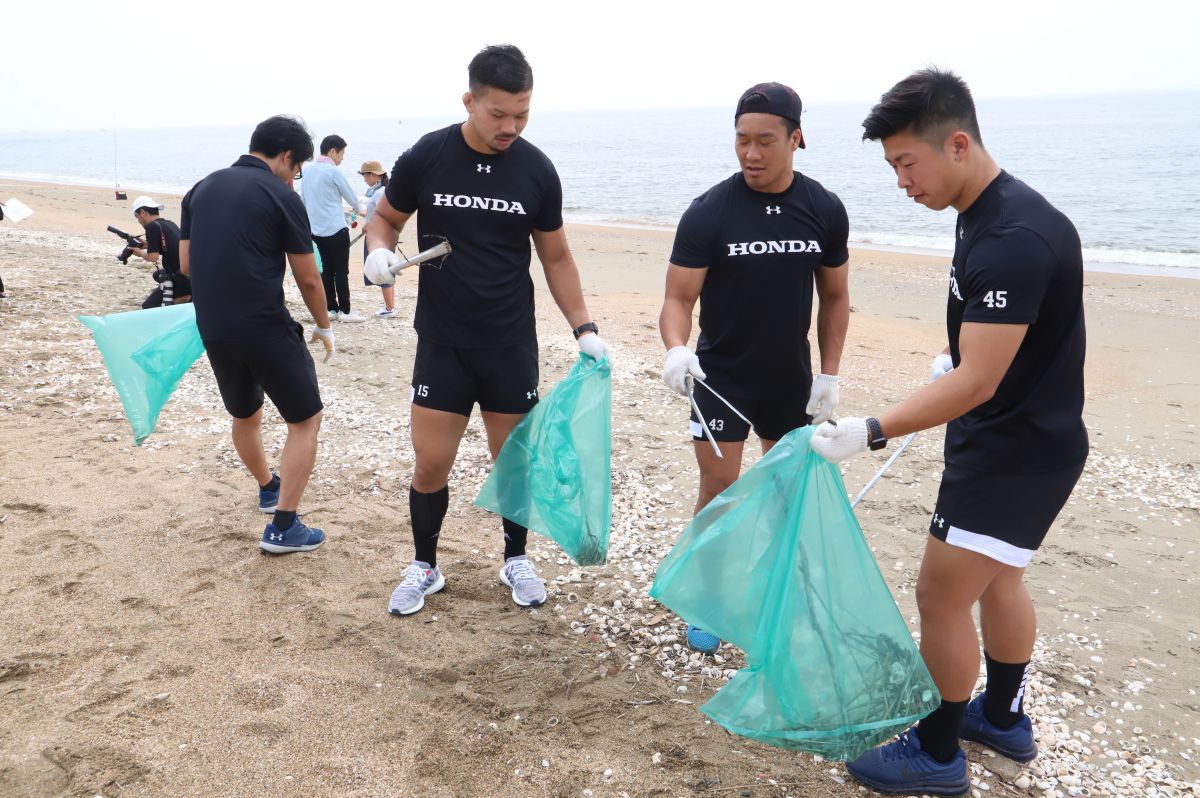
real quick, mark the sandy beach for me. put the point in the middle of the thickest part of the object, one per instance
(147, 648)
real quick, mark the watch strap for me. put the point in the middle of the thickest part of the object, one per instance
(875, 437)
(584, 328)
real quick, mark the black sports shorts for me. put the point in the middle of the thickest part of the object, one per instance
(452, 379)
(1002, 516)
(772, 418)
(280, 367)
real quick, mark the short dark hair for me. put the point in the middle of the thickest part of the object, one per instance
(500, 66)
(383, 178)
(930, 102)
(148, 209)
(280, 134)
(332, 142)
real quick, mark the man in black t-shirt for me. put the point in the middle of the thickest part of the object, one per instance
(161, 250)
(1012, 399)
(751, 249)
(486, 190)
(242, 226)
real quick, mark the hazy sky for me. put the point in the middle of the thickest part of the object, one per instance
(99, 65)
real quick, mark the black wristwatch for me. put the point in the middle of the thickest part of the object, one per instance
(875, 437)
(590, 327)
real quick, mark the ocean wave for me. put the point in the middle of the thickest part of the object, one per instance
(151, 188)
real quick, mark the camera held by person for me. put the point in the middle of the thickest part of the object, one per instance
(133, 242)
(161, 248)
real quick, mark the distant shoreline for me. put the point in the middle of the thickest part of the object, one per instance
(1092, 265)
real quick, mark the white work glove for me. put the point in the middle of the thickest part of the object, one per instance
(822, 398)
(377, 266)
(594, 346)
(681, 362)
(841, 439)
(324, 335)
(943, 364)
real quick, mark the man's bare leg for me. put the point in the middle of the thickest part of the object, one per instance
(297, 461)
(247, 442)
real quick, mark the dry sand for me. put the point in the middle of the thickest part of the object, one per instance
(148, 649)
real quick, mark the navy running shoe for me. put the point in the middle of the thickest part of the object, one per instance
(902, 767)
(268, 499)
(1016, 743)
(702, 641)
(298, 538)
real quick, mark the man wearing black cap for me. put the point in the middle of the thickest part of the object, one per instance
(751, 249)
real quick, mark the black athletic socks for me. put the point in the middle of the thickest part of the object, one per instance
(1004, 695)
(284, 519)
(940, 729)
(272, 485)
(515, 536)
(427, 510)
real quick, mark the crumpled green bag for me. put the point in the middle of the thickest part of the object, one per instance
(554, 472)
(146, 352)
(778, 565)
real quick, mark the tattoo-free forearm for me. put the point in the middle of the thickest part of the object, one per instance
(833, 319)
(562, 278)
(675, 323)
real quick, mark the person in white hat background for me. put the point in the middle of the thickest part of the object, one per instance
(376, 178)
(161, 250)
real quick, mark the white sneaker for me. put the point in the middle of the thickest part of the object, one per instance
(350, 317)
(387, 313)
(333, 315)
(528, 590)
(419, 581)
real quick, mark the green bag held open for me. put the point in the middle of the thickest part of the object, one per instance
(778, 566)
(146, 352)
(554, 473)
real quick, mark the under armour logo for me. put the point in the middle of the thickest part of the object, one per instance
(962, 231)
(939, 520)
(773, 209)
(531, 394)
(481, 168)
(276, 537)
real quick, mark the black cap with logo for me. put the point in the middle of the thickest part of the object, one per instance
(771, 98)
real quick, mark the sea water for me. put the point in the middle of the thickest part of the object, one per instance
(1124, 168)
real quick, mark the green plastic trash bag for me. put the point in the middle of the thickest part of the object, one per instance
(778, 566)
(317, 255)
(554, 472)
(146, 353)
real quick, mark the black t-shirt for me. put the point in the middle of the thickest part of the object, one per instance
(1017, 260)
(480, 296)
(762, 252)
(158, 231)
(240, 222)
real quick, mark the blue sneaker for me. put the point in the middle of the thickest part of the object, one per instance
(268, 500)
(702, 641)
(298, 538)
(902, 767)
(1016, 743)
